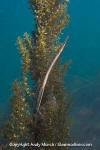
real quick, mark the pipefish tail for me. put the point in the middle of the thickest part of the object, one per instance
(47, 75)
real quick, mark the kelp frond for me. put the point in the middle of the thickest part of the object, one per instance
(23, 46)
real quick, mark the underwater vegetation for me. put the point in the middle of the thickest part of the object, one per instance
(49, 121)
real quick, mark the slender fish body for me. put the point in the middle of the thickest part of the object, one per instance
(47, 75)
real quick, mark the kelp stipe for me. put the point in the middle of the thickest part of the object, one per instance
(52, 124)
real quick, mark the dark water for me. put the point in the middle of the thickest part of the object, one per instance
(83, 78)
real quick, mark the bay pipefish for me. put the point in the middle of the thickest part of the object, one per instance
(47, 75)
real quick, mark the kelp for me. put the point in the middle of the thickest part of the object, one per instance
(52, 123)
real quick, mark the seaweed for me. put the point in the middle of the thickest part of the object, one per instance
(52, 122)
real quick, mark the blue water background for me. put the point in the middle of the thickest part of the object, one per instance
(83, 78)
